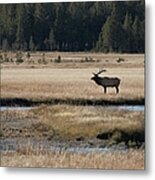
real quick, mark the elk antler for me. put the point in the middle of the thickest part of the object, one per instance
(101, 71)
(94, 73)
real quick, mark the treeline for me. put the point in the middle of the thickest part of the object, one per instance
(73, 26)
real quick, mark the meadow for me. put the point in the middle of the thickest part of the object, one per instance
(59, 87)
(72, 79)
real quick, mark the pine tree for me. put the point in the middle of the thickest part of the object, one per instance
(78, 26)
(142, 36)
(52, 40)
(62, 29)
(29, 22)
(1, 33)
(11, 24)
(20, 35)
(31, 44)
(5, 45)
(41, 26)
(138, 35)
(111, 38)
(127, 25)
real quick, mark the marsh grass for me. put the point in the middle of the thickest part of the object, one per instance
(71, 122)
(132, 159)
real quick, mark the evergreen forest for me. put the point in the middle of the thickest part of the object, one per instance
(114, 26)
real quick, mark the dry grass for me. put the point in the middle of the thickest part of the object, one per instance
(74, 60)
(69, 83)
(132, 159)
(72, 79)
(70, 122)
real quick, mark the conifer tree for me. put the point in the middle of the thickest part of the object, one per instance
(41, 27)
(79, 26)
(138, 35)
(31, 44)
(5, 45)
(52, 40)
(111, 37)
(11, 24)
(127, 25)
(20, 35)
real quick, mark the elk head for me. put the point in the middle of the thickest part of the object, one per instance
(96, 74)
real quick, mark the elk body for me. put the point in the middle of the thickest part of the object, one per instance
(106, 82)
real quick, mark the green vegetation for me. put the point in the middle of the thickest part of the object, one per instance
(1, 134)
(80, 26)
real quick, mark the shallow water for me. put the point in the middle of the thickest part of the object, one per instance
(13, 145)
(85, 150)
(4, 108)
(122, 107)
(131, 107)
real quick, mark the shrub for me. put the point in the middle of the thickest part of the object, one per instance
(39, 61)
(19, 57)
(88, 59)
(18, 61)
(120, 60)
(11, 60)
(1, 134)
(1, 58)
(28, 55)
(58, 60)
(6, 59)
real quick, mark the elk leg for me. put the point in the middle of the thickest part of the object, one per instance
(105, 90)
(117, 89)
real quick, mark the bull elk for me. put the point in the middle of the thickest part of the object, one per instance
(106, 81)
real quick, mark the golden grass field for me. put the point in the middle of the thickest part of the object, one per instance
(70, 79)
(73, 79)
(133, 159)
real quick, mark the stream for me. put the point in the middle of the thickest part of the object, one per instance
(119, 107)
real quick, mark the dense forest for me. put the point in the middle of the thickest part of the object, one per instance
(74, 26)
